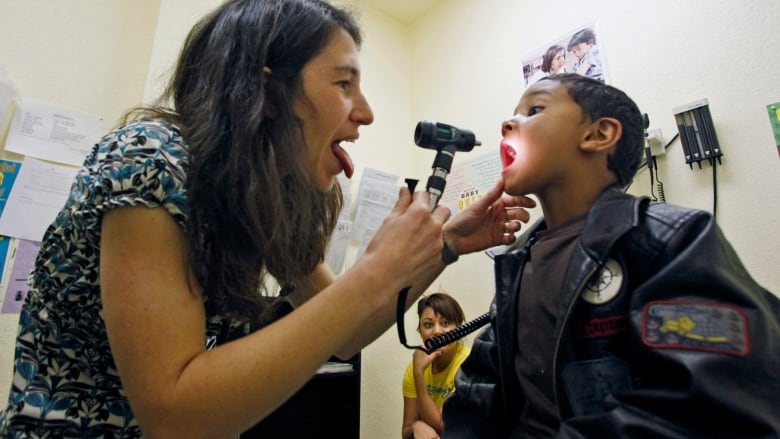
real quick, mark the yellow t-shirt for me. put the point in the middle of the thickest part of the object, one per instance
(440, 385)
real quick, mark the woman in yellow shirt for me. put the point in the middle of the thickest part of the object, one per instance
(430, 378)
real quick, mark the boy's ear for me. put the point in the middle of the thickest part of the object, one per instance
(602, 135)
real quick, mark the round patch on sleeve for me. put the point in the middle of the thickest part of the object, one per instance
(701, 326)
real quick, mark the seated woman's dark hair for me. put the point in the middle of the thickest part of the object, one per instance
(442, 304)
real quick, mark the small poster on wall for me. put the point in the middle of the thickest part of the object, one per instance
(469, 180)
(575, 52)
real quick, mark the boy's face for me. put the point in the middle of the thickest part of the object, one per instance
(541, 141)
(580, 49)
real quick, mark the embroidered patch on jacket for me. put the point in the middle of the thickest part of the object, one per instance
(602, 327)
(605, 286)
(589, 382)
(702, 326)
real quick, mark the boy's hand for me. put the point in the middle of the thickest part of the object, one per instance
(492, 220)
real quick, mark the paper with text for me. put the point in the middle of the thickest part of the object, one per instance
(38, 194)
(469, 180)
(50, 132)
(376, 197)
(337, 247)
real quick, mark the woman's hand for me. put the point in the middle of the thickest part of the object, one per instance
(421, 430)
(490, 221)
(409, 243)
(421, 360)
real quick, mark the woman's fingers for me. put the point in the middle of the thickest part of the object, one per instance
(404, 198)
(441, 214)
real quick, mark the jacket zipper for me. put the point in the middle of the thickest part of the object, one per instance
(559, 338)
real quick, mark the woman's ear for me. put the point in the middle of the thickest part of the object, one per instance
(602, 135)
(269, 110)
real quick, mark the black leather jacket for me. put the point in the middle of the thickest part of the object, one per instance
(661, 332)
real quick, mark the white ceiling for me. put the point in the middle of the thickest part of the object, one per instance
(405, 11)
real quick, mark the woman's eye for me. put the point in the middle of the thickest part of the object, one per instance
(345, 85)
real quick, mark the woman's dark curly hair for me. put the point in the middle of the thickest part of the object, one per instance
(252, 211)
(601, 100)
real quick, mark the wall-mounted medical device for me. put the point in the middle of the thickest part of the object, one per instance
(697, 133)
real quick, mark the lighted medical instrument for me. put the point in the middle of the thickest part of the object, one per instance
(446, 140)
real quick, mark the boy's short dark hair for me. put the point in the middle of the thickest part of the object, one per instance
(597, 100)
(583, 36)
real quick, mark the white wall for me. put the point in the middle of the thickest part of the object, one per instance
(90, 55)
(176, 18)
(460, 64)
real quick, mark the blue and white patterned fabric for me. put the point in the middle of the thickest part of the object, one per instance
(65, 381)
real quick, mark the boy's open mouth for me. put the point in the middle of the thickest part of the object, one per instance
(508, 154)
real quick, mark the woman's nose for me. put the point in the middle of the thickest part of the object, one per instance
(362, 112)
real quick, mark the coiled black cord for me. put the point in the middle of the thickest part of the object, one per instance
(661, 195)
(438, 341)
(461, 331)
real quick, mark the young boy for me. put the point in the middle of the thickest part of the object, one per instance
(614, 316)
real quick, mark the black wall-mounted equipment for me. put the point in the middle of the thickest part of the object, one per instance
(697, 133)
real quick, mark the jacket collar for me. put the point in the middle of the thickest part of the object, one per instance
(613, 214)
